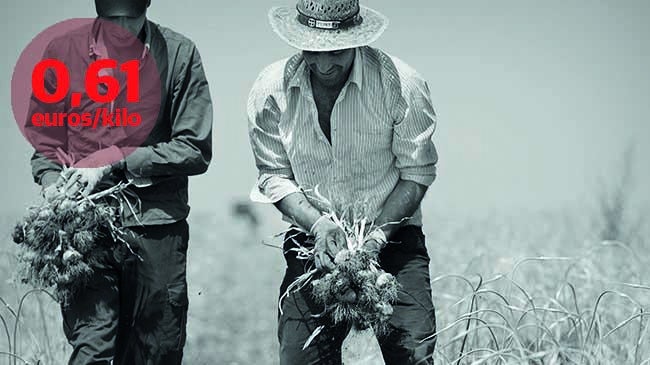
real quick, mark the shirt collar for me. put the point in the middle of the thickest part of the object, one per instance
(96, 47)
(356, 75)
(300, 77)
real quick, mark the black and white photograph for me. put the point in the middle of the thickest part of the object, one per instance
(325, 182)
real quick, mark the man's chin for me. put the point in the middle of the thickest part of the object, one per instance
(333, 81)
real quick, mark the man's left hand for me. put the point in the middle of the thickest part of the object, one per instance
(84, 179)
(86, 174)
(375, 241)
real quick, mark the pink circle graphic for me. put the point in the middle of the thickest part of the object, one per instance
(86, 92)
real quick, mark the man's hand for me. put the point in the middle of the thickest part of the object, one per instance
(375, 241)
(83, 179)
(329, 240)
(89, 171)
(51, 184)
(50, 192)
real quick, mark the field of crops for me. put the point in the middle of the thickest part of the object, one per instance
(527, 288)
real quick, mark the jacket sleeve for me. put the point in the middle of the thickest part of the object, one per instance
(189, 150)
(46, 139)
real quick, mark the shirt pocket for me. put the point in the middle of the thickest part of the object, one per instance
(371, 146)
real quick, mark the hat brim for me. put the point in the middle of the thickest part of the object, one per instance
(285, 24)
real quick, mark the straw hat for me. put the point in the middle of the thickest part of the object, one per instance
(327, 25)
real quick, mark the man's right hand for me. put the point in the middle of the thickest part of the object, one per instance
(329, 240)
(51, 184)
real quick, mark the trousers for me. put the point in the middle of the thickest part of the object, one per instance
(413, 317)
(134, 309)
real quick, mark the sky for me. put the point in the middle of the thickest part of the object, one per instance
(536, 101)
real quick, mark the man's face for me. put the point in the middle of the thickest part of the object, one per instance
(133, 25)
(330, 68)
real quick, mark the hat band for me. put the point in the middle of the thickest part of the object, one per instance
(355, 19)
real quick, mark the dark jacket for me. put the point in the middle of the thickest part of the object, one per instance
(178, 146)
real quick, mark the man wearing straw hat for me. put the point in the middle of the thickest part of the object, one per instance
(355, 123)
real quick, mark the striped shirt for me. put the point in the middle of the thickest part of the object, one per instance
(381, 131)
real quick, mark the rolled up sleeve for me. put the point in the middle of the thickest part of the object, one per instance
(413, 146)
(275, 176)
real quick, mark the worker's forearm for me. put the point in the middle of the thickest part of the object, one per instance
(297, 207)
(402, 202)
